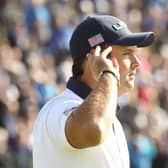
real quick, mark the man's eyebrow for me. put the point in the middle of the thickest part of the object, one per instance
(129, 50)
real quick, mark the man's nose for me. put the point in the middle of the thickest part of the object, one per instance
(136, 62)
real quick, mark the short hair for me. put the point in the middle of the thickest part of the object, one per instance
(78, 67)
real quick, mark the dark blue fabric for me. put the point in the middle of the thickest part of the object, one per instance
(78, 88)
(81, 89)
(104, 29)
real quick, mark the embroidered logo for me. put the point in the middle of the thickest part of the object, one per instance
(94, 40)
(119, 26)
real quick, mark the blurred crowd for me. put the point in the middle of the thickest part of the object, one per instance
(35, 65)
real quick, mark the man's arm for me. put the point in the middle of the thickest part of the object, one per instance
(90, 123)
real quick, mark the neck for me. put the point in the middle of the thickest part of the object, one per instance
(88, 81)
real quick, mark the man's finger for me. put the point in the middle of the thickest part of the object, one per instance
(97, 51)
(106, 52)
(115, 61)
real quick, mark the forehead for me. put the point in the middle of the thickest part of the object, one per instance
(124, 48)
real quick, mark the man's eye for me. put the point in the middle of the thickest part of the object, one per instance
(126, 54)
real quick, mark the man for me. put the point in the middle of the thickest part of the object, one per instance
(79, 128)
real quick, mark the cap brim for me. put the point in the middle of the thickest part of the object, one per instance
(139, 39)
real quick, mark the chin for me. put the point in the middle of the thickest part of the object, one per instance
(129, 86)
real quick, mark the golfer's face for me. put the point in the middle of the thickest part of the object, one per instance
(128, 64)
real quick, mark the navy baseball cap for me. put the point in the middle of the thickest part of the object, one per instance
(105, 29)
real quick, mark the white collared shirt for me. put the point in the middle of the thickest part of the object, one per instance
(52, 150)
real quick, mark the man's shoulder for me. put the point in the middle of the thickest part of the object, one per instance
(67, 99)
(66, 95)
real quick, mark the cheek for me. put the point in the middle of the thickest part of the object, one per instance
(124, 66)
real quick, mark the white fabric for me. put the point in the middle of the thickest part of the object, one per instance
(52, 150)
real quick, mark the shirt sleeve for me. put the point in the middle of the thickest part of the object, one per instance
(62, 124)
(57, 120)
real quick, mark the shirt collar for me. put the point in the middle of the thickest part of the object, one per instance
(78, 87)
(81, 89)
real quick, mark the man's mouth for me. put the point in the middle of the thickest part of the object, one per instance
(132, 75)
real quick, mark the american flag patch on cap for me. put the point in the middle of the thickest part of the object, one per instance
(94, 40)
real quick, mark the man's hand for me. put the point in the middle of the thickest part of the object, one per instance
(99, 60)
